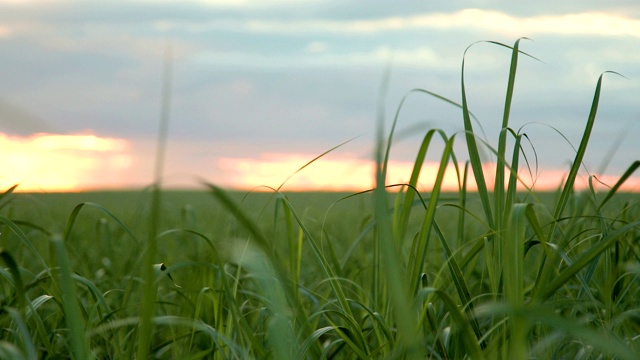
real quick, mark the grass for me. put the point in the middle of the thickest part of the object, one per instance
(497, 273)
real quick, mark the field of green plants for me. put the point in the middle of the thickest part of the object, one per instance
(389, 273)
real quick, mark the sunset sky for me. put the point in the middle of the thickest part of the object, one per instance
(260, 87)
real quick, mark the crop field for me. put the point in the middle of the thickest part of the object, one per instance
(393, 272)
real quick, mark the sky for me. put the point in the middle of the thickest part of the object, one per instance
(261, 87)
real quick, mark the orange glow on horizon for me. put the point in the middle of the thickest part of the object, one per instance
(355, 174)
(77, 162)
(53, 162)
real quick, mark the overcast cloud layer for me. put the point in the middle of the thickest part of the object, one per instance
(255, 77)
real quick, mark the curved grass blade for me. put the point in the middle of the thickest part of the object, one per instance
(407, 203)
(421, 242)
(570, 180)
(501, 208)
(474, 151)
(603, 340)
(627, 174)
(21, 295)
(218, 339)
(237, 321)
(458, 319)
(460, 284)
(312, 340)
(5, 197)
(561, 279)
(314, 159)
(76, 211)
(397, 117)
(567, 190)
(263, 244)
(23, 332)
(352, 338)
(23, 237)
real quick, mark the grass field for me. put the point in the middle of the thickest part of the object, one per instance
(490, 274)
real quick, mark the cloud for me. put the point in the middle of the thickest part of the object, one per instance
(586, 23)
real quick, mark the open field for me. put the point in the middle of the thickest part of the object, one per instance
(495, 273)
(227, 299)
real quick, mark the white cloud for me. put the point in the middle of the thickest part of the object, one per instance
(588, 23)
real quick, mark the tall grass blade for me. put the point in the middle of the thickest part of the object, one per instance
(498, 188)
(510, 195)
(474, 151)
(407, 203)
(567, 190)
(393, 275)
(417, 261)
(73, 316)
(513, 268)
(149, 298)
(577, 162)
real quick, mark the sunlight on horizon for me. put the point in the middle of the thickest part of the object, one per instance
(80, 162)
(53, 162)
(354, 174)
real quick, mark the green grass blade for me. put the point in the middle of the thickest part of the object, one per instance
(73, 316)
(416, 262)
(512, 187)
(393, 273)
(263, 244)
(314, 160)
(21, 296)
(459, 321)
(577, 162)
(460, 284)
(22, 332)
(407, 203)
(561, 279)
(498, 188)
(601, 339)
(76, 211)
(148, 304)
(5, 197)
(514, 279)
(474, 151)
(567, 190)
(627, 174)
(25, 240)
